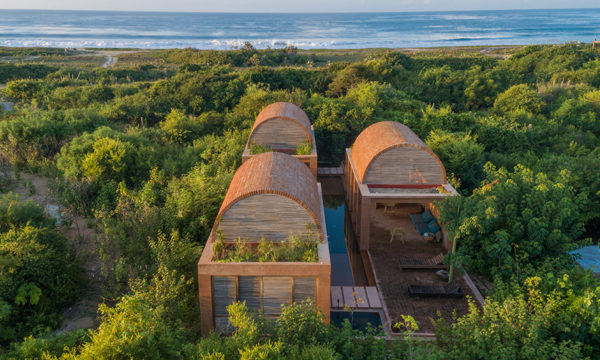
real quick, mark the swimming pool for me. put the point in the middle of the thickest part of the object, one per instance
(360, 320)
(347, 268)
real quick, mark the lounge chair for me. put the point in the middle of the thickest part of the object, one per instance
(420, 263)
(435, 291)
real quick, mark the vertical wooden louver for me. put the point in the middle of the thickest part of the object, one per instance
(250, 292)
(305, 288)
(277, 291)
(224, 293)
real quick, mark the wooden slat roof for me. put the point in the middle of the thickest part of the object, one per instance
(380, 137)
(275, 173)
(287, 111)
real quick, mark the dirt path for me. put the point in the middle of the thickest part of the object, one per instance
(83, 314)
(490, 52)
(110, 56)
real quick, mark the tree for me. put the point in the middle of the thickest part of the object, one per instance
(529, 324)
(515, 222)
(460, 153)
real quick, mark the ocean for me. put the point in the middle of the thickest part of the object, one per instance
(115, 29)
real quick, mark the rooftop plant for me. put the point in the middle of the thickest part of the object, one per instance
(297, 248)
(256, 149)
(304, 149)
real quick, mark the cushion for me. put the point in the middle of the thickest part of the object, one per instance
(427, 217)
(434, 227)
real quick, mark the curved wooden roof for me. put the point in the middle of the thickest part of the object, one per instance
(380, 137)
(275, 173)
(284, 110)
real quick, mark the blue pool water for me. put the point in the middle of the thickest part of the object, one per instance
(341, 270)
(359, 320)
(346, 263)
(589, 257)
(304, 30)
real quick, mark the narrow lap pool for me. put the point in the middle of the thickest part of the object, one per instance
(346, 263)
(347, 268)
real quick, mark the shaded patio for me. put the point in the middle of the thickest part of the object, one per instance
(393, 282)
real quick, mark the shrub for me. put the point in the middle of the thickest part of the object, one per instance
(256, 149)
(301, 325)
(519, 97)
(38, 275)
(304, 149)
(181, 128)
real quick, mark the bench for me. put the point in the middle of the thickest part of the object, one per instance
(421, 263)
(436, 291)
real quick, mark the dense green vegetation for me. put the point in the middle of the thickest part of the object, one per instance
(38, 277)
(146, 151)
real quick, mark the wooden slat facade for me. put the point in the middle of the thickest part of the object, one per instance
(273, 216)
(283, 126)
(383, 136)
(283, 110)
(250, 291)
(224, 293)
(280, 133)
(272, 195)
(274, 174)
(405, 165)
(262, 294)
(305, 288)
(277, 291)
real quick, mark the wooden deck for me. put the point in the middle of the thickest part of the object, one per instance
(356, 297)
(393, 282)
(330, 171)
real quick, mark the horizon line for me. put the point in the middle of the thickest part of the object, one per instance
(302, 12)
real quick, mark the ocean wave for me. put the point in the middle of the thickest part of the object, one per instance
(307, 31)
(460, 17)
(422, 41)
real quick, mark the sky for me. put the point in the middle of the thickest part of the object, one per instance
(295, 5)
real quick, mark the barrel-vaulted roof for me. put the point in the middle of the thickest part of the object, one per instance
(275, 173)
(284, 110)
(380, 137)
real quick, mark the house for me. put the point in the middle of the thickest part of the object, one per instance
(272, 197)
(283, 127)
(390, 171)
